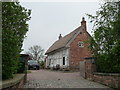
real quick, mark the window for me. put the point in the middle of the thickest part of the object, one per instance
(81, 44)
(63, 60)
(49, 61)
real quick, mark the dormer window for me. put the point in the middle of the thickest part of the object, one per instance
(81, 44)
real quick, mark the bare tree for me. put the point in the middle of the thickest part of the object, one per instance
(36, 52)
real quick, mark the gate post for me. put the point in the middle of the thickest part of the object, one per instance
(90, 67)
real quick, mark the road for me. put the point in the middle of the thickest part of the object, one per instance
(57, 79)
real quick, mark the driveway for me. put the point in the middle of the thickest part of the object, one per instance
(57, 79)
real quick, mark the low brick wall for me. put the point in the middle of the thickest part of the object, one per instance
(109, 79)
(15, 83)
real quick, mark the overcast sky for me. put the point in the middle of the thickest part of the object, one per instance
(49, 19)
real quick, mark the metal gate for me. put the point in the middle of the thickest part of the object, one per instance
(82, 68)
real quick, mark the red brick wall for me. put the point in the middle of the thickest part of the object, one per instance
(78, 54)
(109, 79)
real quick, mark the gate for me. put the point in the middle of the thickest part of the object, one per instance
(82, 68)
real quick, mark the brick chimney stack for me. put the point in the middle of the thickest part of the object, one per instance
(83, 24)
(60, 36)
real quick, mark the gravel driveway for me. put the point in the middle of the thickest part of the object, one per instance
(56, 79)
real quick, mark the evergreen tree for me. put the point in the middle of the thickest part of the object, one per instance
(14, 28)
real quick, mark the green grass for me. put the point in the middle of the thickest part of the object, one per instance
(28, 71)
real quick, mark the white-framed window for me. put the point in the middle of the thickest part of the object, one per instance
(81, 44)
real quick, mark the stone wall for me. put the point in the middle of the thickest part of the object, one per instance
(109, 79)
(15, 83)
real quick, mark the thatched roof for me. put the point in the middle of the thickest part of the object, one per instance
(62, 42)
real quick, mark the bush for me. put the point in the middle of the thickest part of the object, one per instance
(105, 43)
(107, 64)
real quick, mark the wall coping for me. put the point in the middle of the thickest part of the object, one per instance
(10, 82)
(107, 74)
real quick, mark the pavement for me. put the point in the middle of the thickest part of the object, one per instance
(57, 79)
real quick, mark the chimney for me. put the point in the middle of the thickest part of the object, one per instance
(83, 23)
(60, 36)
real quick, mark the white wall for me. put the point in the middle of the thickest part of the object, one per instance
(57, 58)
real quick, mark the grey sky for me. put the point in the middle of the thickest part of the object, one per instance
(49, 19)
